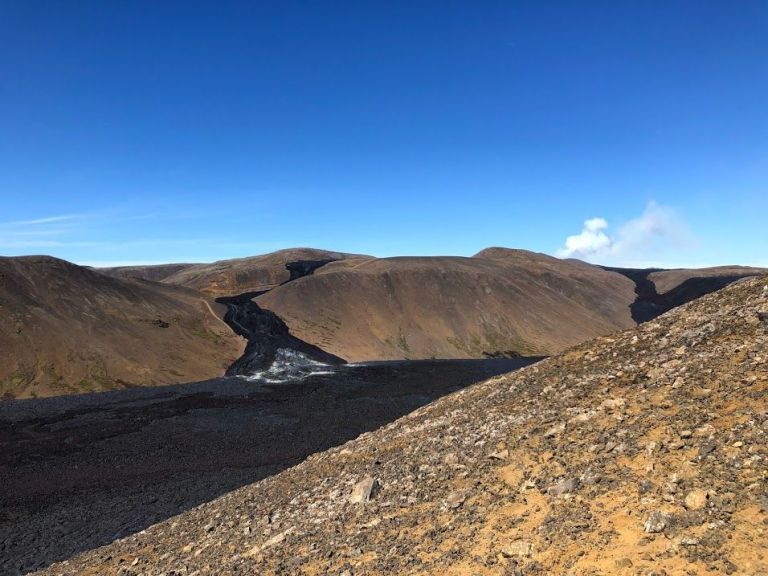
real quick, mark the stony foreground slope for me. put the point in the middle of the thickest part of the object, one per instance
(80, 471)
(67, 329)
(640, 453)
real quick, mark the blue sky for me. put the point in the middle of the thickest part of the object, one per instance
(194, 131)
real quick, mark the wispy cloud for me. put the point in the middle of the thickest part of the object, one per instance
(648, 240)
(36, 222)
(75, 219)
(42, 232)
(106, 250)
(35, 231)
(79, 230)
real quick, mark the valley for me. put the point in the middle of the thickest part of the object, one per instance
(642, 452)
(304, 355)
(68, 329)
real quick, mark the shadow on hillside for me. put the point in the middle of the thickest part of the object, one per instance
(649, 303)
(80, 472)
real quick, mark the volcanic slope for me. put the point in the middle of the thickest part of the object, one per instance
(68, 329)
(253, 274)
(667, 280)
(675, 286)
(658, 291)
(452, 307)
(499, 302)
(154, 272)
(644, 452)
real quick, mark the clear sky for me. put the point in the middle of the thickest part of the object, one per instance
(622, 132)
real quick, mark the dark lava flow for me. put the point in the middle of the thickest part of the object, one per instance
(649, 303)
(302, 268)
(269, 339)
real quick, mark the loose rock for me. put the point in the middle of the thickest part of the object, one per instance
(363, 491)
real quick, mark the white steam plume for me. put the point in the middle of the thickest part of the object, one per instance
(640, 242)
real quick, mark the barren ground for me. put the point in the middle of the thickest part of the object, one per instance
(81, 471)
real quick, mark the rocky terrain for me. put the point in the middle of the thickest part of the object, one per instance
(68, 329)
(80, 471)
(643, 452)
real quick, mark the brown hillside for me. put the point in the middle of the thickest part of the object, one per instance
(231, 277)
(156, 272)
(452, 307)
(67, 329)
(642, 453)
(444, 307)
(666, 280)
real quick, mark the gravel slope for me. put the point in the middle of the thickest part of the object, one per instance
(80, 471)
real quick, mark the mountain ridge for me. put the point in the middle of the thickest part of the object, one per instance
(499, 302)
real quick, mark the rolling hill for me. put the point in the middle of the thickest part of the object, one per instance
(156, 272)
(452, 307)
(667, 280)
(253, 274)
(499, 302)
(66, 328)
